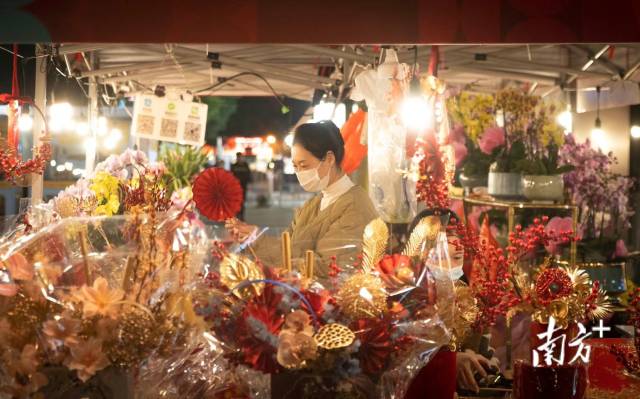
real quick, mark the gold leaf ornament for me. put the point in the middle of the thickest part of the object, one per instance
(334, 336)
(236, 269)
(374, 243)
(426, 230)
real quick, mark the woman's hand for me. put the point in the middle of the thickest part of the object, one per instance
(468, 364)
(239, 231)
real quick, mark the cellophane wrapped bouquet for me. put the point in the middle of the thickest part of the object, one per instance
(273, 331)
(86, 302)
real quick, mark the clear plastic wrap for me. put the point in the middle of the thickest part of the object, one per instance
(85, 302)
(365, 331)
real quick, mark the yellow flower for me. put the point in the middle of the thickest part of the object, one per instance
(106, 189)
(99, 299)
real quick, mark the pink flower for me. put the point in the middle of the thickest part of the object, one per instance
(87, 358)
(461, 152)
(492, 138)
(621, 250)
(456, 135)
(558, 225)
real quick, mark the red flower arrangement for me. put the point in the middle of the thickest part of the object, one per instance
(432, 187)
(217, 194)
(495, 286)
(13, 167)
(627, 355)
(376, 345)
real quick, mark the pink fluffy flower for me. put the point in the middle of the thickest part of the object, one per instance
(558, 225)
(461, 152)
(492, 138)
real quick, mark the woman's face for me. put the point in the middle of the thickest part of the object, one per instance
(305, 160)
(456, 255)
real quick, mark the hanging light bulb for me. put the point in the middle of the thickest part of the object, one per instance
(635, 132)
(565, 119)
(415, 112)
(597, 134)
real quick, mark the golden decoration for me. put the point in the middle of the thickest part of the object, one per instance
(426, 230)
(559, 309)
(362, 295)
(334, 336)
(235, 269)
(374, 244)
(465, 313)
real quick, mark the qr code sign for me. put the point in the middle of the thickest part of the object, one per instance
(192, 131)
(169, 128)
(145, 124)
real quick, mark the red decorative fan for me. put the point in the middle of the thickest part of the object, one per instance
(217, 194)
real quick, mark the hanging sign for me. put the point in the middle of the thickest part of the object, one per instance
(163, 119)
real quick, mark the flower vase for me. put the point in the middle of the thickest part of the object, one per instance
(505, 185)
(470, 182)
(542, 187)
(555, 381)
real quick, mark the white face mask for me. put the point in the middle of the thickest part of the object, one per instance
(310, 180)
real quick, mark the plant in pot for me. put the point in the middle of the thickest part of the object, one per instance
(542, 175)
(504, 178)
(529, 129)
(602, 198)
(472, 115)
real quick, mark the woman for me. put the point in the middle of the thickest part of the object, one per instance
(340, 212)
(439, 378)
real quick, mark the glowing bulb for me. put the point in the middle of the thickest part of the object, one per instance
(323, 111)
(289, 140)
(354, 108)
(82, 128)
(25, 122)
(53, 162)
(112, 140)
(77, 172)
(90, 144)
(68, 166)
(635, 131)
(60, 168)
(416, 113)
(598, 138)
(565, 119)
(101, 126)
(60, 116)
(271, 139)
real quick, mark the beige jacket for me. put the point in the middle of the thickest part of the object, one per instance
(331, 232)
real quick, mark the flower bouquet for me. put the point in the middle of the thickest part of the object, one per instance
(629, 356)
(366, 332)
(86, 303)
(511, 282)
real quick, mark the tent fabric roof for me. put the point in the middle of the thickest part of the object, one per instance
(292, 69)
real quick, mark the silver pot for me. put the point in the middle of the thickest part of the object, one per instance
(505, 185)
(543, 187)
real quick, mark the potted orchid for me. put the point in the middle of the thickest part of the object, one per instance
(542, 174)
(602, 198)
(474, 137)
(531, 137)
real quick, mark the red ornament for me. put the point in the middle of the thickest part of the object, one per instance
(258, 331)
(375, 344)
(217, 194)
(553, 284)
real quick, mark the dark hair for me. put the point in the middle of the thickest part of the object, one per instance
(449, 215)
(319, 138)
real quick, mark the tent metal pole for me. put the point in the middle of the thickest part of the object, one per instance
(40, 99)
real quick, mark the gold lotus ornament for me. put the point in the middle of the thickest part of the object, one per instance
(236, 269)
(362, 295)
(334, 336)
